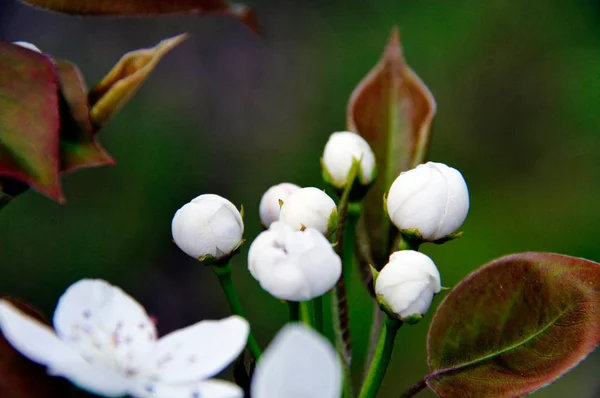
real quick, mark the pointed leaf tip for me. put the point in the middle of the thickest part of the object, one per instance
(78, 145)
(125, 78)
(514, 326)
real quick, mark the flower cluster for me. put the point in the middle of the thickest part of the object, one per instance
(104, 342)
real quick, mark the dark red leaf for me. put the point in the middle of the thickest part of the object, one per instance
(150, 8)
(514, 326)
(29, 119)
(78, 144)
(393, 110)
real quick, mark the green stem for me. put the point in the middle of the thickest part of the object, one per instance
(415, 389)
(223, 273)
(307, 314)
(381, 359)
(317, 304)
(373, 336)
(405, 243)
(294, 311)
(349, 243)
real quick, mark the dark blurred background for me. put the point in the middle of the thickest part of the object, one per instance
(517, 85)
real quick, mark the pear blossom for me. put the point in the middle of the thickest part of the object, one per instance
(310, 208)
(209, 225)
(270, 203)
(28, 46)
(294, 265)
(431, 199)
(298, 363)
(341, 150)
(104, 342)
(407, 283)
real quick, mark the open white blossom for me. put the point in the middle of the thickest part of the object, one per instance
(270, 204)
(27, 45)
(432, 199)
(341, 150)
(208, 225)
(407, 283)
(106, 343)
(298, 363)
(310, 208)
(293, 265)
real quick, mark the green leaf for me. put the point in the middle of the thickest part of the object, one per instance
(29, 119)
(108, 96)
(393, 110)
(21, 378)
(149, 8)
(78, 145)
(514, 326)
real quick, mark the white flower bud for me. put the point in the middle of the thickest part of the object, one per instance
(340, 151)
(294, 265)
(310, 208)
(208, 226)
(432, 199)
(407, 283)
(270, 205)
(27, 45)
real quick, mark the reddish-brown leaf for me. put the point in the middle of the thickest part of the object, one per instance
(21, 378)
(150, 8)
(125, 78)
(514, 326)
(393, 110)
(29, 119)
(78, 144)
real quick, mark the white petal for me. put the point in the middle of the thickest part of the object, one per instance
(198, 351)
(28, 46)
(227, 234)
(271, 266)
(104, 324)
(320, 265)
(298, 363)
(457, 206)
(32, 338)
(270, 206)
(211, 388)
(40, 344)
(95, 379)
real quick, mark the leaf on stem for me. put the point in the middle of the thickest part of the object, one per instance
(150, 8)
(21, 378)
(29, 119)
(116, 88)
(514, 326)
(393, 110)
(78, 145)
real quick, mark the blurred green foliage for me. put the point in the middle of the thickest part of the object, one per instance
(517, 86)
